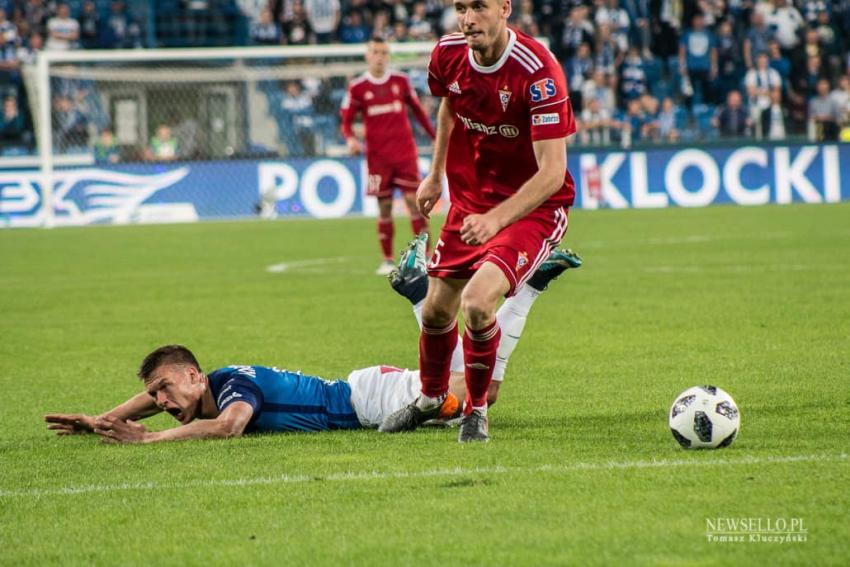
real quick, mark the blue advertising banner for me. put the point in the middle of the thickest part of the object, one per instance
(332, 188)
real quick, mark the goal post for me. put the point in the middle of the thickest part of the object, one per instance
(126, 109)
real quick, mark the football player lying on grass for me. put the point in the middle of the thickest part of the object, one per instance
(234, 400)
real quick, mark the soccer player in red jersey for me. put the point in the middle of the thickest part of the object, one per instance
(382, 97)
(501, 141)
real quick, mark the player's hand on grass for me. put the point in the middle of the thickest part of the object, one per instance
(114, 430)
(70, 423)
(355, 148)
(478, 229)
(428, 194)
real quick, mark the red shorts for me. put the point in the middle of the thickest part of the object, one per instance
(384, 178)
(518, 250)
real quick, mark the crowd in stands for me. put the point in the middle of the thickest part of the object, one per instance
(639, 71)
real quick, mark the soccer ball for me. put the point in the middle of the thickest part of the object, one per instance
(704, 417)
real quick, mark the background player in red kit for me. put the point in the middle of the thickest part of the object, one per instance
(501, 141)
(382, 97)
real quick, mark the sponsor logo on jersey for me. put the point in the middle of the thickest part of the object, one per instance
(542, 90)
(543, 119)
(454, 87)
(394, 88)
(369, 95)
(506, 130)
(504, 98)
(521, 260)
(389, 108)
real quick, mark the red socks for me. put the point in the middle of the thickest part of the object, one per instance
(479, 356)
(435, 359)
(386, 231)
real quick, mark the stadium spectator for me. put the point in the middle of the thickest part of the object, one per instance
(323, 16)
(610, 13)
(640, 32)
(732, 119)
(9, 66)
(812, 9)
(89, 26)
(607, 53)
(121, 30)
(779, 62)
(832, 42)
(634, 123)
(760, 82)
(12, 124)
(698, 60)
(163, 146)
(757, 39)
(296, 27)
(354, 28)
(526, 20)
(633, 75)
(8, 29)
(787, 22)
(35, 17)
(771, 123)
(106, 148)
(596, 123)
(381, 24)
(577, 30)
(298, 107)
(577, 70)
(841, 97)
(824, 114)
(666, 129)
(253, 9)
(599, 88)
(730, 63)
(264, 31)
(419, 25)
(70, 125)
(666, 23)
(63, 31)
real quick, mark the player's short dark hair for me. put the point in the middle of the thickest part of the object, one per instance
(377, 39)
(168, 354)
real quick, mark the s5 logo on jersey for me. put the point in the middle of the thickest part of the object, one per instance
(542, 89)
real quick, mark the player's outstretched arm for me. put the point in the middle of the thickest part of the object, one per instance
(551, 158)
(432, 186)
(139, 406)
(230, 423)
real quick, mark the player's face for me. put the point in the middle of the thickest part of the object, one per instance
(482, 21)
(378, 57)
(177, 389)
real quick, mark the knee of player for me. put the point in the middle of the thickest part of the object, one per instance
(478, 311)
(436, 315)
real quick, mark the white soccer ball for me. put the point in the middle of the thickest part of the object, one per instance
(704, 417)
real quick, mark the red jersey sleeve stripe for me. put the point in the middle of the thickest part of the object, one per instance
(528, 53)
(533, 108)
(524, 63)
(519, 55)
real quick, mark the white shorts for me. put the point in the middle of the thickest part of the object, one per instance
(378, 391)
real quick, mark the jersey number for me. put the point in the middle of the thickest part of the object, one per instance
(435, 256)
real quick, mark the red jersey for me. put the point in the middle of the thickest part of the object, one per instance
(383, 103)
(499, 111)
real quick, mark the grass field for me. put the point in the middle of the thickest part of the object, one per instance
(582, 469)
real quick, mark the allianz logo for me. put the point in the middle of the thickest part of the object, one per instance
(506, 130)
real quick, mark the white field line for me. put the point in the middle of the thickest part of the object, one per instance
(381, 475)
(284, 266)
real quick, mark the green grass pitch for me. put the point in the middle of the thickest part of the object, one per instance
(582, 469)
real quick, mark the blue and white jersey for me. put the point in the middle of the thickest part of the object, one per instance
(283, 400)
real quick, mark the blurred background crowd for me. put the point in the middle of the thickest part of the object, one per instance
(639, 71)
